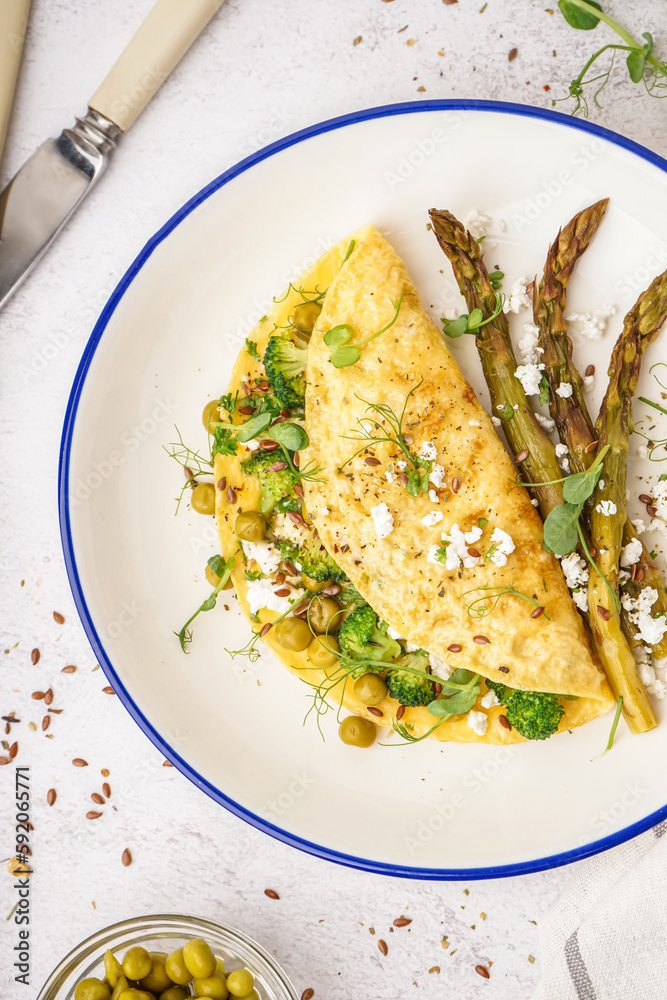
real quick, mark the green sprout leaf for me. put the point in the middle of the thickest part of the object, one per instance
(465, 691)
(455, 328)
(475, 319)
(338, 336)
(584, 20)
(251, 348)
(496, 277)
(578, 488)
(254, 426)
(560, 529)
(292, 436)
(544, 391)
(344, 357)
(636, 62)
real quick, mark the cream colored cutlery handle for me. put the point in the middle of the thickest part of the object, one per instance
(159, 44)
(13, 21)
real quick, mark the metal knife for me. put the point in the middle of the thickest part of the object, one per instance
(48, 188)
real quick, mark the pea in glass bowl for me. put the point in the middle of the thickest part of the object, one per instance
(165, 932)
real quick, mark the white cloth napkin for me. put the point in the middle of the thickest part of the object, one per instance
(606, 937)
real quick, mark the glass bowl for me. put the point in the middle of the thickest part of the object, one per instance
(165, 932)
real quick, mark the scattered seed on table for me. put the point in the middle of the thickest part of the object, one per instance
(108, 690)
(167, 763)
(104, 772)
(69, 669)
(13, 750)
(34, 656)
(48, 697)
(93, 815)
(513, 53)
(46, 722)
(5, 760)
(58, 618)
(402, 921)
(97, 798)
(56, 711)
(126, 858)
(308, 994)
(271, 893)
(106, 789)
(382, 945)
(51, 796)
(37, 695)
(80, 762)
(481, 971)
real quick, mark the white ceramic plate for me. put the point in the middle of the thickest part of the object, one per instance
(165, 344)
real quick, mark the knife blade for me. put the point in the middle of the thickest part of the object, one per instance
(50, 186)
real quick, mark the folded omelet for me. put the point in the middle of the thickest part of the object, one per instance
(424, 522)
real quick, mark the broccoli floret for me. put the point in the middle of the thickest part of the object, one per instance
(285, 364)
(361, 639)
(534, 714)
(317, 563)
(275, 485)
(408, 689)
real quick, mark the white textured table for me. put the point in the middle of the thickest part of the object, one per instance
(261, 70)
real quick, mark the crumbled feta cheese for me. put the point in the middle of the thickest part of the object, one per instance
(389, 476)
(602, 484)
(642, 451)
(535, 503)
(589, 382)
(651, 671)
(252, 445)
(659, 495)
(394, 633)
(651, 630)
(529, 376)
(428, 451)
(368, 427)
(437, 475)
(474, 423)
(546, 423)
(430, 519)
(606, 507)
(593, 324)
(478, 721)
(504, 546)
(266, 555)
(383, 519)
(575, 570)
(496, 421)
(516, 406)
(457, 548)
(411, 647)
(530, 352)
(432, 556)
(325, 512)
(440, 668)
(639, 526)
(517, 298)
(261, 595)
(477, 223)
(402, 466)
(632, 552)
(284, 527)
(501, 407)
(580, 598)
(623, 575)
(433, 496)
(561, 455)
(564, 390)
(490, 699)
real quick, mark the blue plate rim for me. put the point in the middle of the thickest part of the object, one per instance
(328, 854)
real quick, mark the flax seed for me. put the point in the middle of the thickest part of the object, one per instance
(299, 490)
(222, 484)
(46, 722)
(5, 760)
(372, 461)
(308, 994)
(277, 466)
(93, 815)
(473, 552)
(481, 640)
(51, 796)
(295, 517)
(437, 688)
(13, 750)
(97, 798)
(108, 690)
(456, 484)
(291, 569)
(651, 510)
(481, 971)
(400, 712)
(34, 656)
(603, 613)
(332, 590)
(69, 669)
(455, 648)
(590, 370)
(246, 410)
(126, 858)
(522, 456)
(80, 762)
(271, 893)
(58, 618)
(502, 719)
(403, 479)
(382, 945)
(48, 697)
(268, 444)
(231, 494)
(645, 498)
(537, 612)
(375, 711)
(265, 629)
(106, 789)
(640, 574)
(104, 772)
(283, 592)
(37, 695)
(402, 921)
(590, 447)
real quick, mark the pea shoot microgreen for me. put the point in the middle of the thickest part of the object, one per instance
(251, 348)
(343, 353)
(194, 463)
(487, 603)
(472, 322)
(654, 444)
(389, 430)
(643, 67)
(463, 687)
(495, 278)
(614, 727)
(222, 569)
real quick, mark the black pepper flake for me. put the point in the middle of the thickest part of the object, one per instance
(504, 670)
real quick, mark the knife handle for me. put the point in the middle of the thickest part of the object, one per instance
(13, 23)
(157, 47)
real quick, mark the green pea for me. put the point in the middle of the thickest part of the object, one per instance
(112, 968)
(133, 994)
(175, 993)
(137, 963)
(177, 970)
(157, 979)
(357, 732)
(203, 498)
(120, 986)
(92, 989)
(214, 986)
(240, 982)
(198, 958)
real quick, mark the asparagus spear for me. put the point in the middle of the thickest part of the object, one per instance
(641, 327)
(523, 433)
(573, 421)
